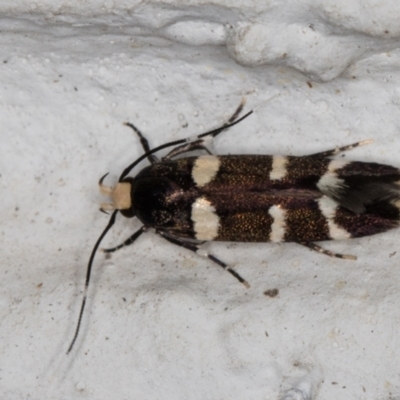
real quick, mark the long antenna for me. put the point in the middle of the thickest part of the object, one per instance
(214, 133)
(111, 222)
(88, 272)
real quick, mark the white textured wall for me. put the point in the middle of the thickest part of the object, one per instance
(161, 322)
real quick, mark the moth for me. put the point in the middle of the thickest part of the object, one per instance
(189, 200)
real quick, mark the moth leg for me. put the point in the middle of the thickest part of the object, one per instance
(315, 247)
(193, 247)
(338, 150)
(144, 142)
(184, 148)
(211, 133)
(237, 112)
(127, 242)
(197, 143)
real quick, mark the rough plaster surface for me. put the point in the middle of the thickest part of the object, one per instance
(162, 323)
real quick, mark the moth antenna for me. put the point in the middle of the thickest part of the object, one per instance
(213, 133)
(88, 272)
(217, 131)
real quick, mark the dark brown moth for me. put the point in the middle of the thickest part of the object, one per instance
(250, 198)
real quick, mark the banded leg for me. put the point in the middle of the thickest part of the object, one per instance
(184, 148)
(193, 247)
(236, 113)
(319, 249)
(197, 143)
(338, 150)
(144, 142)
(127, 242)
(175, 143)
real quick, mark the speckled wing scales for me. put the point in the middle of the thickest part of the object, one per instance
(253, 198)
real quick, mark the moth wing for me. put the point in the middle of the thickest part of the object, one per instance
(358, 185)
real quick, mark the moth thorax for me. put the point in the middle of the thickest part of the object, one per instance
(120, 195)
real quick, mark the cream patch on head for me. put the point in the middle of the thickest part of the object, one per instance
(328, 209)
(120, 195)
(205, 219)
(278, 226)
(204, 169)
(330, 183)
(278, 170)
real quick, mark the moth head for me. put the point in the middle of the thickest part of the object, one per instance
(121, 197)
